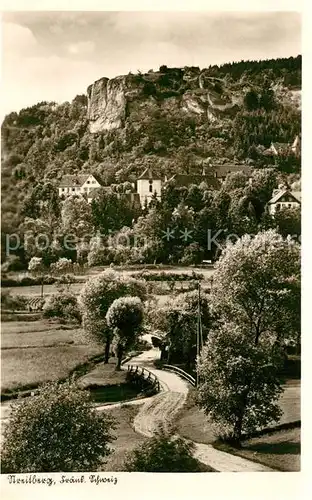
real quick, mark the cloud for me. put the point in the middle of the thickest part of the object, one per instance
(17, 40)
(81, 48)
(55, 55)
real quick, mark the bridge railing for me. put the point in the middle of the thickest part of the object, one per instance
(145, 374)
(180, 372)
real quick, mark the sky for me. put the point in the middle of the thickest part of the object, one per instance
(54, 56)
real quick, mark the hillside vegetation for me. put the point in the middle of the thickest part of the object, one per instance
(176, 120)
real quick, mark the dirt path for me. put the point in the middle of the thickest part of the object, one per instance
(164, 408)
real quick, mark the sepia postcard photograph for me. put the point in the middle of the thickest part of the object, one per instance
(150, 249)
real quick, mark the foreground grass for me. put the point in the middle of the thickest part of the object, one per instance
(127, 438)
(36, 365)
(279, 450)
(40, 351)
(193, 424)
(19, 334)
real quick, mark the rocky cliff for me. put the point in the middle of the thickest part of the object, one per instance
(189, 89)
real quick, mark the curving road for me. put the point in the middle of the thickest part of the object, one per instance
(165, 406)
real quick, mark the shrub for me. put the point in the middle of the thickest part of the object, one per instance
(56, 431)
(13, 263)
(63, 306)
(16, 303)
(165, 276)
(163, 453)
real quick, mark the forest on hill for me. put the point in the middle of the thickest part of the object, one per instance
(43, 142)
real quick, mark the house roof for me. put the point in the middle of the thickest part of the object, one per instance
(187, 179)
(223, 170)
(75, 180)
(278, 196)
(148, 174)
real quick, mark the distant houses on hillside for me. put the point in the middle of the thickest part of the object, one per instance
(150, 185)
(282, 148)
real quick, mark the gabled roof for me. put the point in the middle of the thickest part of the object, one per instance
(148, 174)
(187, 179)
(75, 180)
(280, 194)
(223, 170)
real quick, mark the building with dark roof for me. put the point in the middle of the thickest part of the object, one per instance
(284, 198)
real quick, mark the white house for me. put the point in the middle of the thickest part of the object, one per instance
(79, 184)
(284, 198)
(147, 185)
(278, 148)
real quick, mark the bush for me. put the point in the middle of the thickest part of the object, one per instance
(26, 281)
(63, 306)
(56, 431)
(165, 276)
(13, 263)
(16, 303)
(163, 453)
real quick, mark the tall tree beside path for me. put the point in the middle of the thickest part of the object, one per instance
(257, 285)
(125, 316)
(256, 296)
(96, 297)
(239, 386)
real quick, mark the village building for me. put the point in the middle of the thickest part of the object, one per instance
(148, 185)
(83, 184)
(281, 148)
(285, 198)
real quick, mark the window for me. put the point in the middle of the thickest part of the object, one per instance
(88, 182)
(289, 205)
(73, 189)
(278, 206)
(150, 186)
(63, 189)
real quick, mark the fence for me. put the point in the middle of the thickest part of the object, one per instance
(180, 372)
(146, 375)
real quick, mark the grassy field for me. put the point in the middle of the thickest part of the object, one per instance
(75, 287)
(127, 438)
(35, 352)
(194, 424)
(279, 450)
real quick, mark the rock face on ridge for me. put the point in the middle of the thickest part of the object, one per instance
(106, 104)
(110, 101)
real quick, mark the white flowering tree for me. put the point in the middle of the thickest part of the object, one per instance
(37, 268)
(124, 317)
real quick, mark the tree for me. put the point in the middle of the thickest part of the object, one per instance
(77, 217)
(251, 100)
(178, 321)
(257, 283)
(37, 268)
(163, 453)
(56, 430)
(288, 222)
(97, 295)
(125, 316)
(239, 386)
